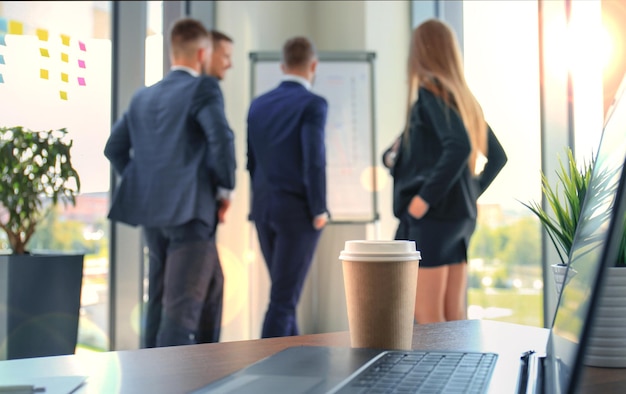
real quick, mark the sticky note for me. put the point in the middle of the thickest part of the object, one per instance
(1, 59)
(65, 39)
(44, 52)
(43, 73)
(63, 95)
(81, 81)
(81, 63)
(3, 26)
(82, 46)
(65, 57)
(2, 40)
(64, 77)
(42, 34)
(16, 27)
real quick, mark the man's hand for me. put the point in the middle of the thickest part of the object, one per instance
(320, 221)
(222, 207)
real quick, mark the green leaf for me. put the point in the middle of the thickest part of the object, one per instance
(564, 203)
(35, 172)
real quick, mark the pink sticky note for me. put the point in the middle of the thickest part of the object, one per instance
(81, 63)
(81, 81)
(82, 46)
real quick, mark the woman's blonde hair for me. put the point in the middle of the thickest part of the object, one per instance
(435, 62)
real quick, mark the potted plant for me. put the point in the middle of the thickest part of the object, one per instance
(565, 202)
(607, 345)
(36, 173)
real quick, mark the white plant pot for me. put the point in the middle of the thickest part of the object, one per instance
(559, 271)
(607, 343)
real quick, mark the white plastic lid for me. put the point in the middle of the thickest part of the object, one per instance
(361, 250)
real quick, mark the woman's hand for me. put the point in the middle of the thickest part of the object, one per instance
(389, 159)
(418, 207)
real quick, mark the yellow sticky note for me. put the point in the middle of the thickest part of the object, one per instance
(65, 39)
(42, 34)
(43, 73)
(16, 27)
(63, 95)
(65, 57)
(64, 77)
(44, 52)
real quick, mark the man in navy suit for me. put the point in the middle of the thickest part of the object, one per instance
(221, 59)
(174, 151)
(211, 320)
(287, 165)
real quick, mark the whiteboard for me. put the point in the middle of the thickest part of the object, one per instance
(345, 80)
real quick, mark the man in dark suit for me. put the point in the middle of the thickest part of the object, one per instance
(211, 320)
(174, 151)
(287, 165)
(221, 59)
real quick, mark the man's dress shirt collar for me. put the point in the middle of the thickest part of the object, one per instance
(191, 71)
(298, 79)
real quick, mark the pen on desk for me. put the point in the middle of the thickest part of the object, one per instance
(21, 389)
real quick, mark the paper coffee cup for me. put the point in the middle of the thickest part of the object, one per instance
(380, 279)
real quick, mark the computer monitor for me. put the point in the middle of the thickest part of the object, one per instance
(595, 247)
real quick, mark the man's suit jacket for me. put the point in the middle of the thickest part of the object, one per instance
(173, 148)
(287, 154)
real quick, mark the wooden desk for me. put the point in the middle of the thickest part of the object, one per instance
(185, 368)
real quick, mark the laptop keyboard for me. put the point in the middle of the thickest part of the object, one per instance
(424, 372)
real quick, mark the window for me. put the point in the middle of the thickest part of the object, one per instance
(505, 255)
(55, 73)
(502, 69)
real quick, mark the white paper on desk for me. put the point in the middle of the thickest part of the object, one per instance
(53, 384)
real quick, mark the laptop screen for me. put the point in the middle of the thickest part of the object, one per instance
(595, 246)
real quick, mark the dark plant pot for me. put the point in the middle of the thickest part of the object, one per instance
(39, 304)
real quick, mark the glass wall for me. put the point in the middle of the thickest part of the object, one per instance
(55, 72)
(590, 48)
(502, 49)
(502, 69)
(500, 45)
(154, 43)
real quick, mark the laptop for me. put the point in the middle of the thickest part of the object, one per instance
(316, 369)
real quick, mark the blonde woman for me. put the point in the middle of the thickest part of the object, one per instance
(437, 176)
